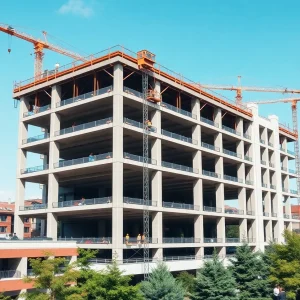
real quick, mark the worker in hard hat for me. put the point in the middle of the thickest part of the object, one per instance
(138, 239)
(127, 239)
(143, 239)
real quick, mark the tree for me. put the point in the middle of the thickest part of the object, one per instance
(109, 284)
(187, 280)
(285, 263)
(232, 231)
(162, 285)
(251, 273)
(214, 282)
(45, 277)
(3, 297)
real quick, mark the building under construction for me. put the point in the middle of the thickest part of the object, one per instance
(205, 154)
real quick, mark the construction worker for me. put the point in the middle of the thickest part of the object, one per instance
(127, 239)
(143, 239)
(138, 239)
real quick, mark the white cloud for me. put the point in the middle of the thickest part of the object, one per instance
(76, 7)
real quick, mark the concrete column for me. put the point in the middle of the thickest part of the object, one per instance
(240, 125)
(53, 188)
(198, 229)
(196, 108)
(269, 231)
(117, 188)
(278, 183)
(157, 227)
(241, 172)
(221, 234)
(240, 148)
(157, 188)
(55, 95)
(242, 199)
(267, 202)
(22, 266)
(157, 88)
(219, 166)
(220, 196)
(156, 120)
(219, 141)
(52, 225)
(257, 194)
(198, 193)
(288, 208)
(156, 151)
(197, 161)
(243, 229)
(218, 116)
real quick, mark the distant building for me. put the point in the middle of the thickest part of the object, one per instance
(32, 226)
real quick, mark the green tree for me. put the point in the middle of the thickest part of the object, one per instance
(251, 273)
(3, 297)
(45, 277)
(285, 263)
(109, 284)
(214, 282)
(232, 231)
(187, 280)
(162, 285)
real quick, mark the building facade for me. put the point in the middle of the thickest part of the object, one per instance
(206, 154)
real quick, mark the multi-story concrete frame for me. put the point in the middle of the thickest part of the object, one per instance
(205, 152)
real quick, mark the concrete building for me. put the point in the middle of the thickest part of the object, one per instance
(206, 153)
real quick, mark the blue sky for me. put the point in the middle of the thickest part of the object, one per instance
(207, 41)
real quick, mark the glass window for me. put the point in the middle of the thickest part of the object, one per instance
(3, 218)
(26, 229)
(2, 228)
(26, 220)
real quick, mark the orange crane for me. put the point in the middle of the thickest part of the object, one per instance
(239, 90)
(39, 46)
(293, 102)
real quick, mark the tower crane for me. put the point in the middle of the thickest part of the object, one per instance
(39, 46)
(240, 89)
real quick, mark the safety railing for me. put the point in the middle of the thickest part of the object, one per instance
(213, 240)
(271, 165)
(82, 202)
(10, 274)
(211, 174)
(270, 144)
(232, 211)
(180, 205)
(249, 182)
(36, 138)
(139, 158)
(35, 169)
(264, 185)
(139, 240)
(274, 215)
(60, 270)
(232, 178)
(266, 214)
(85, 96)
(178, 110)
(273, 187)
(290, 152)
(138, 124)
(179, 240)
(212, 209)
(82, 160)
(231, 153)
(178, 137)
(295, 217)
(246, 157)
(294, 192)
(286, 216)
(262, 141)
(209, 122)
(285, 190)
(132, 92)
(292, 171)
(247, 136)
(231, 130)
(232, 240)
(88, 240)
(33, 207)
(128, 200)
(88, 125)
(37, 110)
(250, 213)
(179, 167)
(211, 147)
(38, 238)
